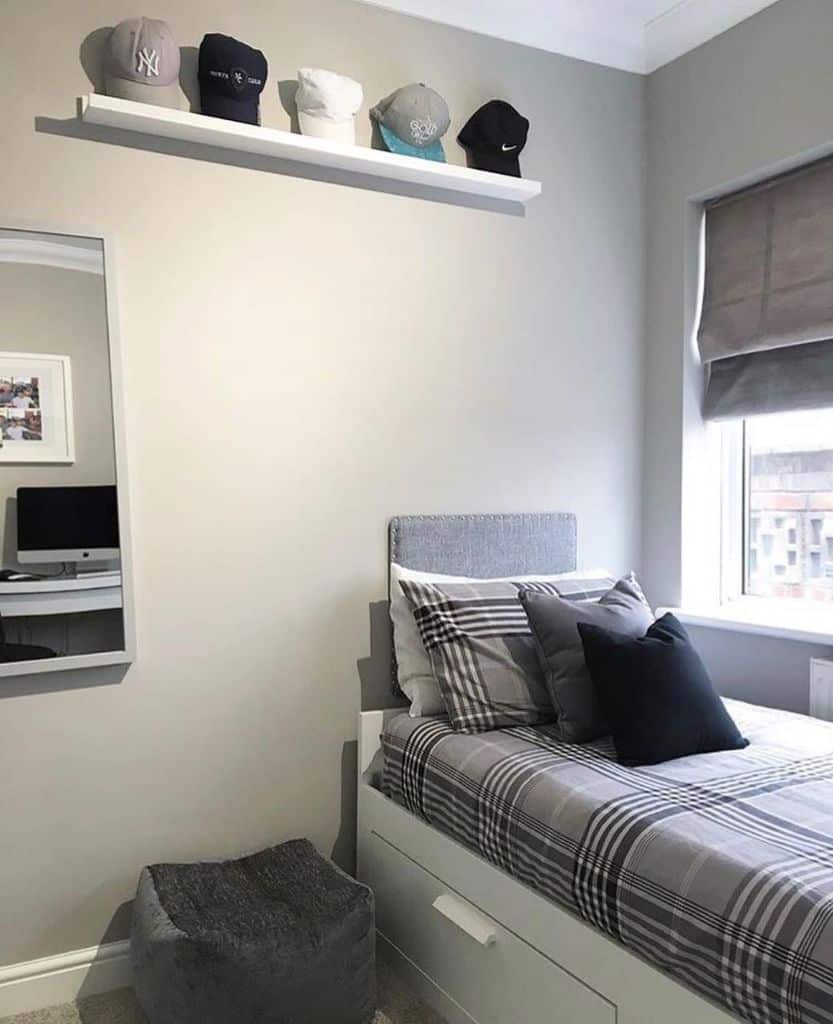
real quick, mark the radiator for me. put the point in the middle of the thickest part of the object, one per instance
(821, 689)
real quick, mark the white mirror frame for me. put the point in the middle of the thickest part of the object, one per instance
(127, 655)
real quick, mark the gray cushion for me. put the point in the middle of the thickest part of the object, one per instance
(282, 936)
(554, 623)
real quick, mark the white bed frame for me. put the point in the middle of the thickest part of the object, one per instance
(479, 946)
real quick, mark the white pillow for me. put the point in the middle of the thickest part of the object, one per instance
(413, 665)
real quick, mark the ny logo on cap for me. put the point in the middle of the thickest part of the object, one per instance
(239, 78)
(148, 62)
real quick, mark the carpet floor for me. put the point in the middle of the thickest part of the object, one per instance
(397, 1005)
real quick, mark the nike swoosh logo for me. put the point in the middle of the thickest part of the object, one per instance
(507, 149)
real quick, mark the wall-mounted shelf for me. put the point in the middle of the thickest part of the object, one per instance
(353, 164)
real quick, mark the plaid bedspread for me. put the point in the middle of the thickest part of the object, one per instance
(718, 868)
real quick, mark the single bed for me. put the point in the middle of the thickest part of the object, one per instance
(717, 868)
(519, 878)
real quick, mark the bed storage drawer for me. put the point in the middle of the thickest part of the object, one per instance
(496, 976)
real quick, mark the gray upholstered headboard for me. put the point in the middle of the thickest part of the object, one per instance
(486, 545)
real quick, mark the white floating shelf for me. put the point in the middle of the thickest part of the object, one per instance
(404, 173)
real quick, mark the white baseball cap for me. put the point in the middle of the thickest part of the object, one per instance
(327, 105)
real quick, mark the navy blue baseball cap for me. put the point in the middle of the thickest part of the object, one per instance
(232, 76)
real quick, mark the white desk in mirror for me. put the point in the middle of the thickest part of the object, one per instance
(66, 595)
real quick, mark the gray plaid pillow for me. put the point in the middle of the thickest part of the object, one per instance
(482, 650)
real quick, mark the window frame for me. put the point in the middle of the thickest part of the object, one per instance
(735, 520)
(733, 511)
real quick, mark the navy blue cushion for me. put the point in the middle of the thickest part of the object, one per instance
(656, 694)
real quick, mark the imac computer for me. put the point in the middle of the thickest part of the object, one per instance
(67, 524)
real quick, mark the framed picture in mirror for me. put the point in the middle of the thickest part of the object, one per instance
(35, 408)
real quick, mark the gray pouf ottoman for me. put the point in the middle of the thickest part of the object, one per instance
(281, 937)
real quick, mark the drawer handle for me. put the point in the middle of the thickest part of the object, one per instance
(467, 919)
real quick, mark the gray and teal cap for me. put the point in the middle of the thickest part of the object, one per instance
(412, 121)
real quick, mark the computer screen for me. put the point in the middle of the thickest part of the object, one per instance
(67, 523)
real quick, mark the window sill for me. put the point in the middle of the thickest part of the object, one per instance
(764, 618)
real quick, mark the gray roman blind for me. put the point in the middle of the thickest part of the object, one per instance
(766, 331)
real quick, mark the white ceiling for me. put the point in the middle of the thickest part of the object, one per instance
(635, 35)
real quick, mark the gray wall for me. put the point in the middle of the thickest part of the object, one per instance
(759, 669)
(60, 312)
(755, 96)
(304, 361)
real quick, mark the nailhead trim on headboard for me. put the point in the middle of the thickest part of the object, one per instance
(488, 545)
(543, 542)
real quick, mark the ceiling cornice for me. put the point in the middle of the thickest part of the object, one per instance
(562, 27)
(691, 23)
(590, 31)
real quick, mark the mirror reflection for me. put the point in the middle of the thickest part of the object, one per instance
(60, 584)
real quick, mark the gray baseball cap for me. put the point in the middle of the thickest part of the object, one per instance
(141, 63)
(412, 121)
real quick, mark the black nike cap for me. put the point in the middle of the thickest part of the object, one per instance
(232, 76)
(494, 136)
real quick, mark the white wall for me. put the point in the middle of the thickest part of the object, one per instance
(304, 361)
(755, 97)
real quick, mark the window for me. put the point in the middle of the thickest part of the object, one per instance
(778, 500)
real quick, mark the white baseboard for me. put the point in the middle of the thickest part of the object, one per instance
(37, 984)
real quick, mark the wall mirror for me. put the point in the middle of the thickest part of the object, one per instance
(64, 585)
